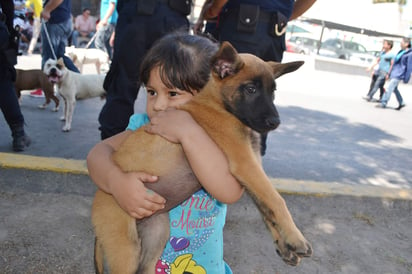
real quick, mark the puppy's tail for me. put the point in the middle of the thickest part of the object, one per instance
(98, 257)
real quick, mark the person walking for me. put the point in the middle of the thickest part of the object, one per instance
(139, 25)
(58, 27)
(106, 26)
(400, 71)
(9, 103)
(385, 61)
(254, 26)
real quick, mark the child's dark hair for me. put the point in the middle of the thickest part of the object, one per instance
(183, 59)
(389, 42)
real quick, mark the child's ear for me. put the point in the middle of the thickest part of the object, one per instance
(226, 61)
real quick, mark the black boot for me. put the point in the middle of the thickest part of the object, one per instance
(20, 138)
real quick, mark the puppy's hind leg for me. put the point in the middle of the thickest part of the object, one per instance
(154, 233)
(116, 234)
(44, 105)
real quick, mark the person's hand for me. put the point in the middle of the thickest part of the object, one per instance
(171, 124)
(133, 197)
(101, 24)
(45, 14)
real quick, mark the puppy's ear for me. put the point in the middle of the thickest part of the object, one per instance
(60, 62)
(279, 69)
(226, 61)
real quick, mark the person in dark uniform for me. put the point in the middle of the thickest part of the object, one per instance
(254, 26)
(139, 25)
(9, 104)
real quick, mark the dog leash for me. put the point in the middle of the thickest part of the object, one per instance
(91, 41)
(48, 38)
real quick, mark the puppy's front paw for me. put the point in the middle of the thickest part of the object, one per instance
(55, 109)
(66, 128)
(291, 248)
(62, 118)
(42, 106)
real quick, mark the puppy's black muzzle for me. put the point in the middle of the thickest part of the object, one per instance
(53, 72)
(272, 123)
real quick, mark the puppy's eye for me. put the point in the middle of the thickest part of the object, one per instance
(59, 66)
(250, 89)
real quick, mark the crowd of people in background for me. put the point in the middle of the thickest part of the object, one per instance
(91, 31)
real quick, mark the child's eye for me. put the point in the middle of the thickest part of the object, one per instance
(151, 92)
(173, 93)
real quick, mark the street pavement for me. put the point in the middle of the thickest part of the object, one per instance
(343, 166)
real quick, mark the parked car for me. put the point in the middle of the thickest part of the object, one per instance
(302, 44)
(346, 50)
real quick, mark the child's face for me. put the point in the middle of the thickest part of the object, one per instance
(160, 97)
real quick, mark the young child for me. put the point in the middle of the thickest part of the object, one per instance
(173, 71)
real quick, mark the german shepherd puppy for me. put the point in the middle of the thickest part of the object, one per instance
(235, 104)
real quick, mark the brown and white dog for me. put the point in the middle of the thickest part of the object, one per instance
(83, 56)
(72, 86)
(34, 79)
(235, 104)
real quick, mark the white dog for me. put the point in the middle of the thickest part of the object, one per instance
(72, 86)
(82, 56)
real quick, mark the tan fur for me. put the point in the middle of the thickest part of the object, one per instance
(117, 232)
(34, 79)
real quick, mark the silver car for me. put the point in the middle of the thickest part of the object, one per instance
(346, 50)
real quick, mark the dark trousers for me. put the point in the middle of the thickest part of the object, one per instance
(259, 43)
(375, 77)
(135, 34)
(9, 104)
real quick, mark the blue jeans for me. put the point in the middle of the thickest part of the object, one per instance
(380, 82)
(75, 37)
(392, 87)
(58, 34)
(103, 39)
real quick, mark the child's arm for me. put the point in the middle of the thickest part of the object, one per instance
(207, 160)
(127, 188)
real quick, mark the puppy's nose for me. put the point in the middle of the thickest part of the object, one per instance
(53, 70)
(272, 122)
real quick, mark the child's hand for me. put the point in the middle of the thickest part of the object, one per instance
(172, 124)
(133, 197)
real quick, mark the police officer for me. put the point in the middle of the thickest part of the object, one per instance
(9, 39)
(139, 24)
(254, 26)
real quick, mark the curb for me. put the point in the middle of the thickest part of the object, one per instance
(287, 186)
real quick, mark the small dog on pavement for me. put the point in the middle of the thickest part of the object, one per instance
(82, 56)
(72, 86)
(35, 79)
(235, 104)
